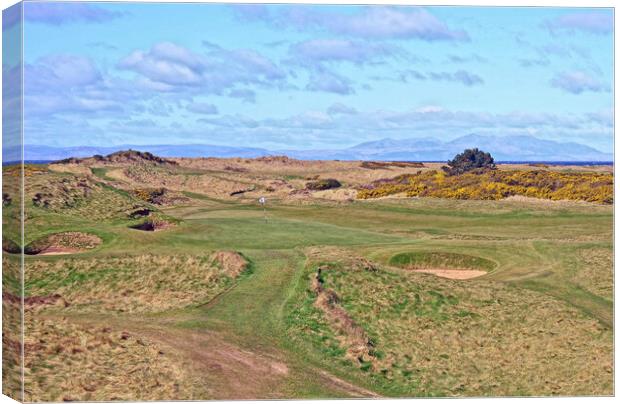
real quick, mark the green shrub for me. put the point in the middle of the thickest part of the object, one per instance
(321, 185)
(470, 159)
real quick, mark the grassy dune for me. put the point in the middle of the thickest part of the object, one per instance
(538, 323)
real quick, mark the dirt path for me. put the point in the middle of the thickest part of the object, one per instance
(236, 373)
(229, 372)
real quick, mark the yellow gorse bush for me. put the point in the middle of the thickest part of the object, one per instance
(496, 184)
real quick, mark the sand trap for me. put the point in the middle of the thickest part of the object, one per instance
(58, 251)
(63, 243)
(453, 273)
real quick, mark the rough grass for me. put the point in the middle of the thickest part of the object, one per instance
(549, 256)
(63, 242)
(69, 362)
(138, 284)
(77, 195)
(437, 337)
(596, 272)
(11, 326)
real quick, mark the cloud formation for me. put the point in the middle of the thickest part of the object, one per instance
(594, 22)
(460, 76)
(319, 58)
(202, 108)
(339, 50)
(65, 13)
(339, 108)
(396, 22)
(369, 22)
(171, 67)
(330, 82)
(577, 82)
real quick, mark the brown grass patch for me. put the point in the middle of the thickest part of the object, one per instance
(596, 275)
(69, 362)
(145, 283)
(378, 165)
(63, 243)
(231, 262)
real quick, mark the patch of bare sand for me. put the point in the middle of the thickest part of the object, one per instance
(453, 273)
(59, 251)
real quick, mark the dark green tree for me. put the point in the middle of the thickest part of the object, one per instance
(469, 160)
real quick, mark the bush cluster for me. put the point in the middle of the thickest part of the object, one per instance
(321, 185)
(470, 159)
(150, 195)
(496, 184)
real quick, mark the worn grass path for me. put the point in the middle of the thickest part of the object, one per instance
(251, 315)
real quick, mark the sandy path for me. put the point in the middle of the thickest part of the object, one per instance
(229, 371)
(453, 273)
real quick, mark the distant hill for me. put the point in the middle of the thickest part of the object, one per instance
(503, 148)
(121, 157)
(37, 152)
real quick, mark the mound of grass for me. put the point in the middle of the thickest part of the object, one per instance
(145, 283)
(438, 337)
(77, 195)
(385, 165)
(121, 157)
(63, 242)
(443, 260)
(159, 196)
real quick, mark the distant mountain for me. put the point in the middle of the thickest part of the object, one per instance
(502, 148)
(39, 153)
(527, 148)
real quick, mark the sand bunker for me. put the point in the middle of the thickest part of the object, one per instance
(63, 243)
(453, 273)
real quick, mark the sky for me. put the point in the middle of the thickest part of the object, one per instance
(308, 77)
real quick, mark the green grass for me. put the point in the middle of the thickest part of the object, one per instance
(101, 172)
(454, 332)
(544, 261)
(440, 260)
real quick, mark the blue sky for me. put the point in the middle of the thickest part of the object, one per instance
(313, 76)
